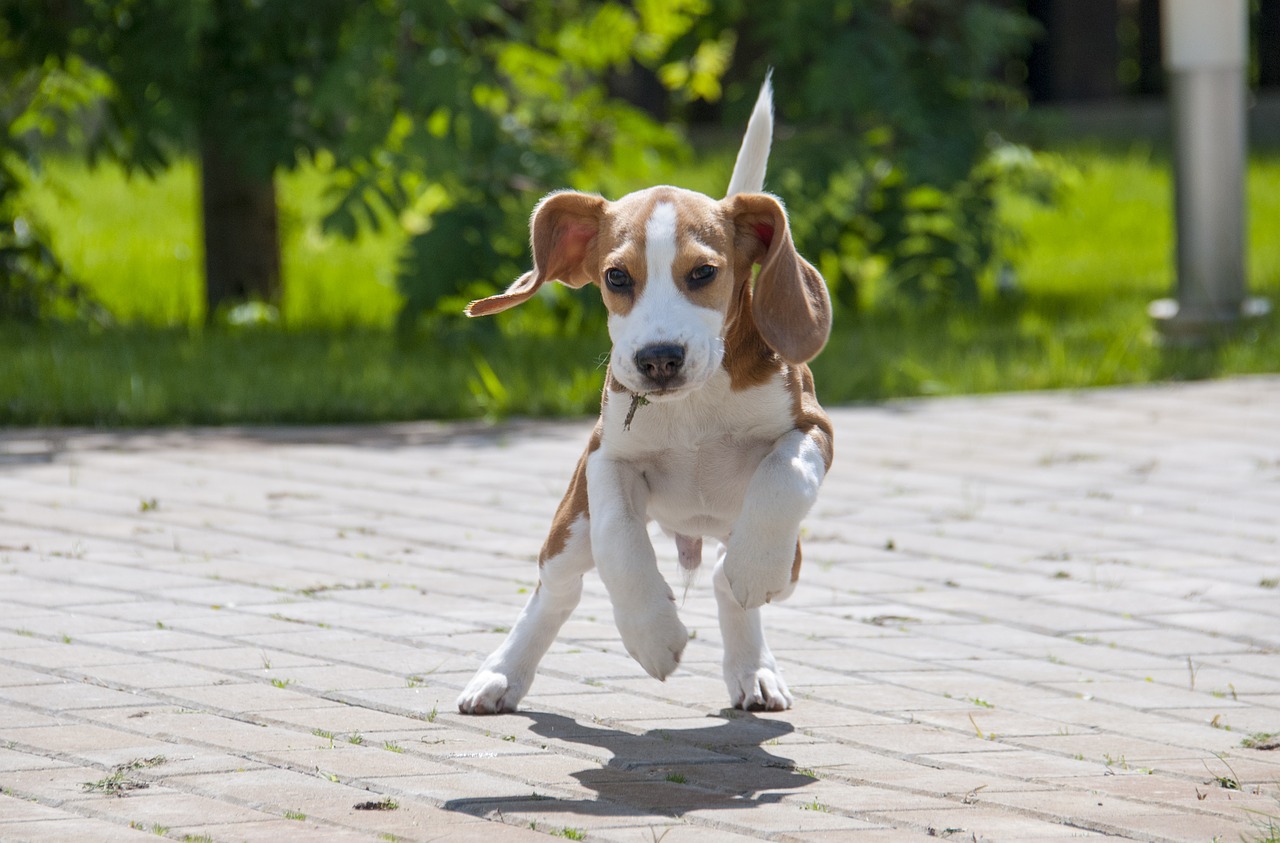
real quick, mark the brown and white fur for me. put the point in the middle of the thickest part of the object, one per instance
(731, 443)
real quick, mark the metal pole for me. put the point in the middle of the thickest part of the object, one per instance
(1204, 55)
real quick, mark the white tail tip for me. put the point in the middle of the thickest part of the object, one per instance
(753, 156)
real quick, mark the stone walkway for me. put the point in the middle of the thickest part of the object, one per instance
(1034, 617)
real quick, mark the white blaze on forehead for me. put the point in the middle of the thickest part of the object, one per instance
(662, 307)
(660, 242)
(661, 302)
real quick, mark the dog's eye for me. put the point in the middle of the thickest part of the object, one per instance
(617, 279)
(702, 276)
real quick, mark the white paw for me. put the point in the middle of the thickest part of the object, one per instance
(759, 688)
(654, 636)
(489, 692)
(756, 578)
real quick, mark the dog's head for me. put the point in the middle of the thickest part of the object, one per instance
(675, 270)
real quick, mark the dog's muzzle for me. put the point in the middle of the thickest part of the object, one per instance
(661, 364)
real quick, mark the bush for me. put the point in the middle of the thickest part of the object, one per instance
(520, 107)
(865, 220)
(902, 176)
(34, 103)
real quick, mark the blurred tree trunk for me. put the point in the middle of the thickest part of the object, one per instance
(241, 231)
(1269, 44)
(1077, 57)
(1150, 62)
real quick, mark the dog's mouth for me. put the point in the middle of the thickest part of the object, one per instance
(651, 393)
(666, 389)
(667, 393)
(640, 399)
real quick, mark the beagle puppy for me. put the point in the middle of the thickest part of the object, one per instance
(708, 424)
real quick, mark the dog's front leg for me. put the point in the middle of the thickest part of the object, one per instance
(643, 605)
(763, 554)
(506, 675)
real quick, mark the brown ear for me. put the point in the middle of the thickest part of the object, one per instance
(562, 233)
(790, 304)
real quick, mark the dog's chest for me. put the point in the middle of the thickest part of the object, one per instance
(697, 455)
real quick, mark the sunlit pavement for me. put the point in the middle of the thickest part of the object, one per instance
(1044, 616)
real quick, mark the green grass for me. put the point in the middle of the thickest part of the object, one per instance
(66, 375)
(1088, 266)
(136, 244)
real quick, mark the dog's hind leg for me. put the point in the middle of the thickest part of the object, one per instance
(505, 677)
(750, 671)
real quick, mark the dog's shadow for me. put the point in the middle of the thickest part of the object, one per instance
(731, 764)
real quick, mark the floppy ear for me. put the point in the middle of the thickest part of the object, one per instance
(790, 304)
(562, 233)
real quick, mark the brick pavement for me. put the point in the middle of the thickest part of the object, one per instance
(1027, 617)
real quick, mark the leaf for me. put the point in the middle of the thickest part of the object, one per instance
(441, 261)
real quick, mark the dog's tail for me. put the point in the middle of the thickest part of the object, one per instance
(753, 157)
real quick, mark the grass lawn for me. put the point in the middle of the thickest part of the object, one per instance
(1087, 267)
(136, 244)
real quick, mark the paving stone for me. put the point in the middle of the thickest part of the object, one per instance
(863, 835)
(416, 821)
(51, 656)
(370, 759)
(243, 696)
(685, 833)
(12, 759)
(21, 717)
(911, 739)
(158, 806)
(72, 828)
(84, 740)
(764, 816)
(988, 823)
(52, 785)
(16, 812)
(1013, 608)
(345, 720)
(149, 674)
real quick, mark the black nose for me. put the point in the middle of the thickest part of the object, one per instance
(660, 363)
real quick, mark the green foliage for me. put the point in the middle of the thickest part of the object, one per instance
(35, 102)
(515, 105)
(1089, 265)
(32, 280)
(922, 68)
(867, 221)
(238, 82)
(246, 74)
(447, 118)
(901, 179)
